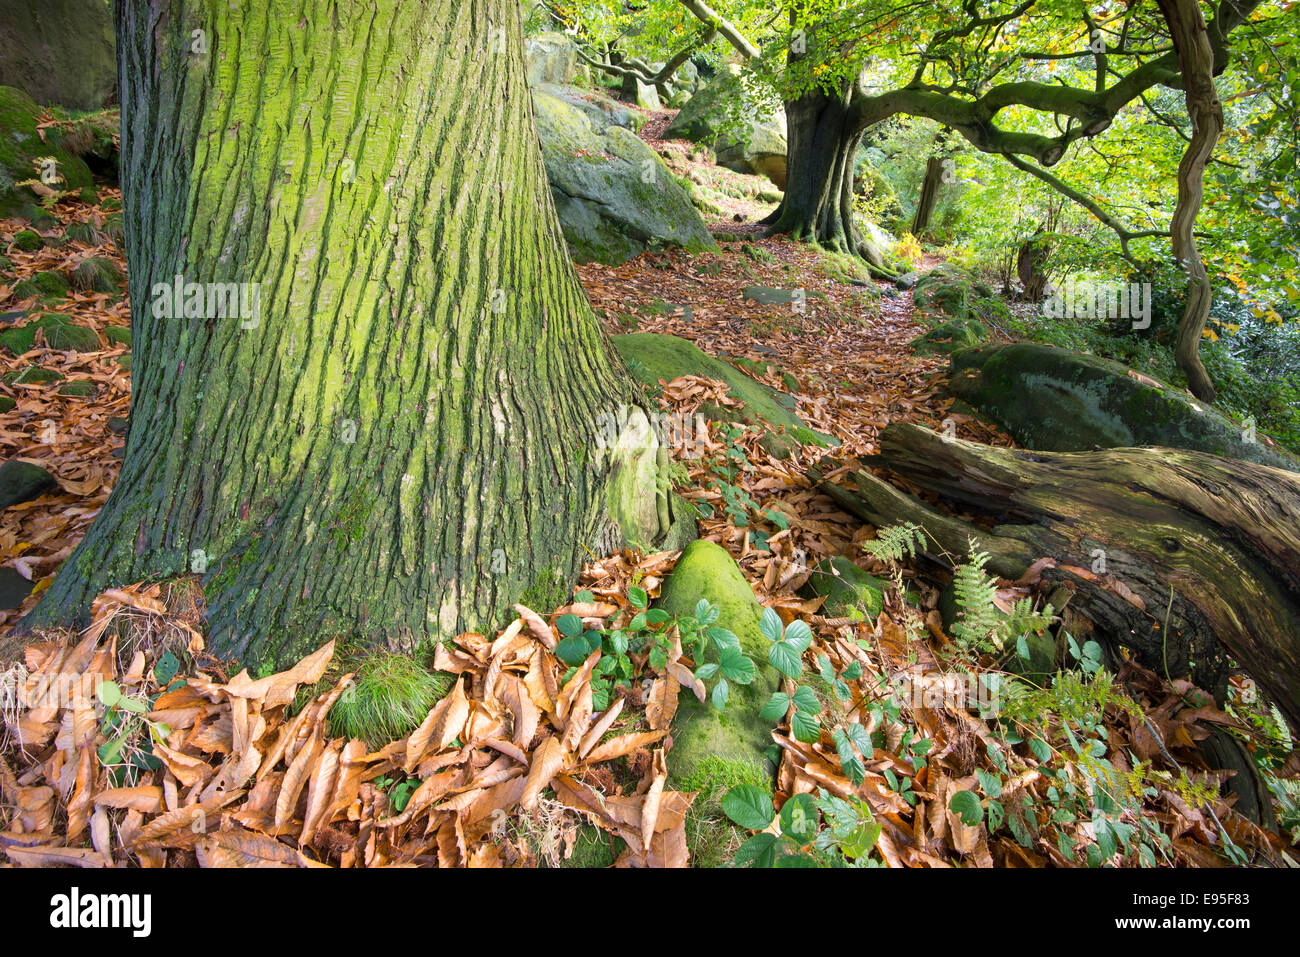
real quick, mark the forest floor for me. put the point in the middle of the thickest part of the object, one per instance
(301, 796)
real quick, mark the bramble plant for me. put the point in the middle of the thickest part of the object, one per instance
(821, 831)
(647, 638)
(125, 723)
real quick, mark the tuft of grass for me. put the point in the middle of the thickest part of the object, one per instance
(712, 838)
(98, 274)
(389, 697)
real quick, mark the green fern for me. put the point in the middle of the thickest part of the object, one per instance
(896, 543)
(979, 622)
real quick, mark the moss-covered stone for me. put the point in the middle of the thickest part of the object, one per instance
(731, 115)
(59, 51)
(1056, 400)
(950, 336)
(850, 592)
(654, 356)
(53, 284)
(711, 838)
(97, 274)
(22, 149)
(60, 334)
(613, 193)
(32, 374)
(736, 734)
(7, 404)
(27, 240)
(22, 482)
(118, 335)
(79, 388)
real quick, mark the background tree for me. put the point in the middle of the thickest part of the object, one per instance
(402, 437)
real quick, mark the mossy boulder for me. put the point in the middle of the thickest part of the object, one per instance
(950, 336)
(27, 240)
(22, 149)
(53, 284)
(950, 290)
(59, 51)
(118, 335)
(22, 482)
(551, 58)
(736, 735)
(653, 356)
(60, 334)
(850, 592)
(600, 110)
(732, 115)
(614, 195)
(79, 388)
(97, 274)
(32, 374)
(1055, 400)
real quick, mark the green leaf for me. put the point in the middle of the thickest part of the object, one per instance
(799, 817)
(805, 699)
(785, 659)
(966, 805)
(109, 693)
(799, 635)
(776, 707)
(758, 851)
(806, 726)
(749, 806)
(707, 671)
(736, 666)
(657, 616)
(720, 693)
(770, 625)
(722, 638)
(990, 784)
(569, 625)
(1042, 750)
(572, 651)
(638, 597)
(164, 670)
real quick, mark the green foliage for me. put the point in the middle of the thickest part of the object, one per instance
(389, 696)
(125, 723)
(811, 830)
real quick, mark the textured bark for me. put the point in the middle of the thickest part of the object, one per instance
(403, 443)
(1196, 61)
(822, 147)
(929, 197)
(1212, 545)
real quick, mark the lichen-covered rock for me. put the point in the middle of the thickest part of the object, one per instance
(614, 195)
(58, 51)
(22, 152)
(850, 592)
(745, 128)
(601, 110)
(551, 58)
(1056, 400)
(700, 732)
(951, 336)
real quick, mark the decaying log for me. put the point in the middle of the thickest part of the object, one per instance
(1183, 557)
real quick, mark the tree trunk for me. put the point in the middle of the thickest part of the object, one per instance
(822, 144)
(929, 198)
(1177, 555)
(404, 438)
(1196, 62)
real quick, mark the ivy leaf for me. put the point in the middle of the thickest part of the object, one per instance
(749, 806)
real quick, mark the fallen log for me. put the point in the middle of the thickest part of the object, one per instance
(1183, 557)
